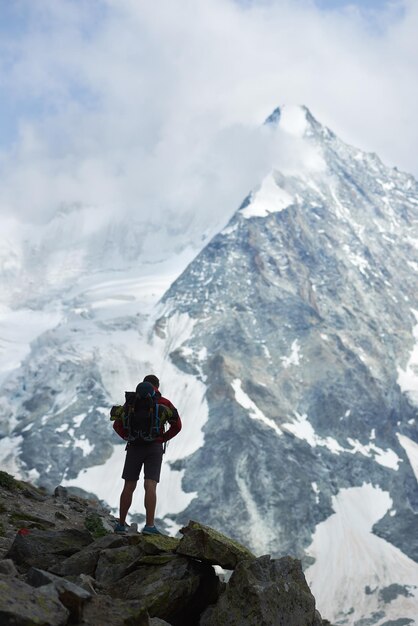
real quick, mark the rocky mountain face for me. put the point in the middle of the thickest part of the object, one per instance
(288, 345)
(61, 563)
(305, 307)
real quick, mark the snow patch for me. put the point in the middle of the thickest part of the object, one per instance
(411, 449)
(62, 428)
(293, 120)
(316, 491)
(294, 357)
(270, 198)
(18, 328)
(387, 458)
(253, 410)
(8, 455)
(303, 429)
(228, 230)
(171, 497)
(78, 419)
(408, 378)
(103, 480)
(84, 445)
(33, 475)
(144, 354)
(346, 539)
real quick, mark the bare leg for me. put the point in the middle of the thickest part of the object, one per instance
(150, 500)
(126, 499)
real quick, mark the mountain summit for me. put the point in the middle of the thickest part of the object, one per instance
(295, 120)
(305, 306)
(289, 346)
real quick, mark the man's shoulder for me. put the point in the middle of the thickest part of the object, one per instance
(169, 409)
(165, 402)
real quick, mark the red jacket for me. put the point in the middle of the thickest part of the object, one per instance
(175, 424)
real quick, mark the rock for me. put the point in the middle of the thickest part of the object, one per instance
(265, 591)
(85, 582)
(113, 564)
(21, 605)
(61, 516)
(45, 548)
(204, 543)
(24, 520)
(71, 596)
(61, 493)
(108, 541)
(85, 561)
(103, 610)
(155, 544)
(7, 568)
(32, 493)
(78, 504)
(177, 590)
(5, 543)
(64, 576)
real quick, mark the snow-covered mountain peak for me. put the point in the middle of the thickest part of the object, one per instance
(288, 345)
(294, 119)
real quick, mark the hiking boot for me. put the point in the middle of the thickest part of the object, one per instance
(121, 528)
(151, 530)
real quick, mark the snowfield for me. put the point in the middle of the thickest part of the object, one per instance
(350, 558)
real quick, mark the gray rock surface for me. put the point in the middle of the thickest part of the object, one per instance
(126, 579)
(44, 549)
(177, 589)
(70, 595)
(206, 544)
(265, 592)
(85, 561)
(21, 605)
(8, 568)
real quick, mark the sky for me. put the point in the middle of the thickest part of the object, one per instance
(153, 109)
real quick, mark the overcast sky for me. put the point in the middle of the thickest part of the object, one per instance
(153, 107)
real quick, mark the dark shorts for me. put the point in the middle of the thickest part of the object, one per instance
(149, 455)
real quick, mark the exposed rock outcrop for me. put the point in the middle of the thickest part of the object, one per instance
(201, 542)
(62, 574)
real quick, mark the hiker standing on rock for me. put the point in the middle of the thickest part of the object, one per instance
(141, 422)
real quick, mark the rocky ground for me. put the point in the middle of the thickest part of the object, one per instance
(61, 563)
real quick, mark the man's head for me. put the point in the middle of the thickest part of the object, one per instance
(151, 378)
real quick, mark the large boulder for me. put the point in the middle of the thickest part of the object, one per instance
(174, 588)
(104, 610)
(21, 605)
(45, 548)
(116, 563)
(85, 561)
(206, 544)
(72, 596)
(265, 592)
(155, 544)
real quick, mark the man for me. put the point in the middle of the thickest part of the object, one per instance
(140, 452)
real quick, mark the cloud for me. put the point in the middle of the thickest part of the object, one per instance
(152, 109)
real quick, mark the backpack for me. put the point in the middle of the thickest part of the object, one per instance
(141, 418)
